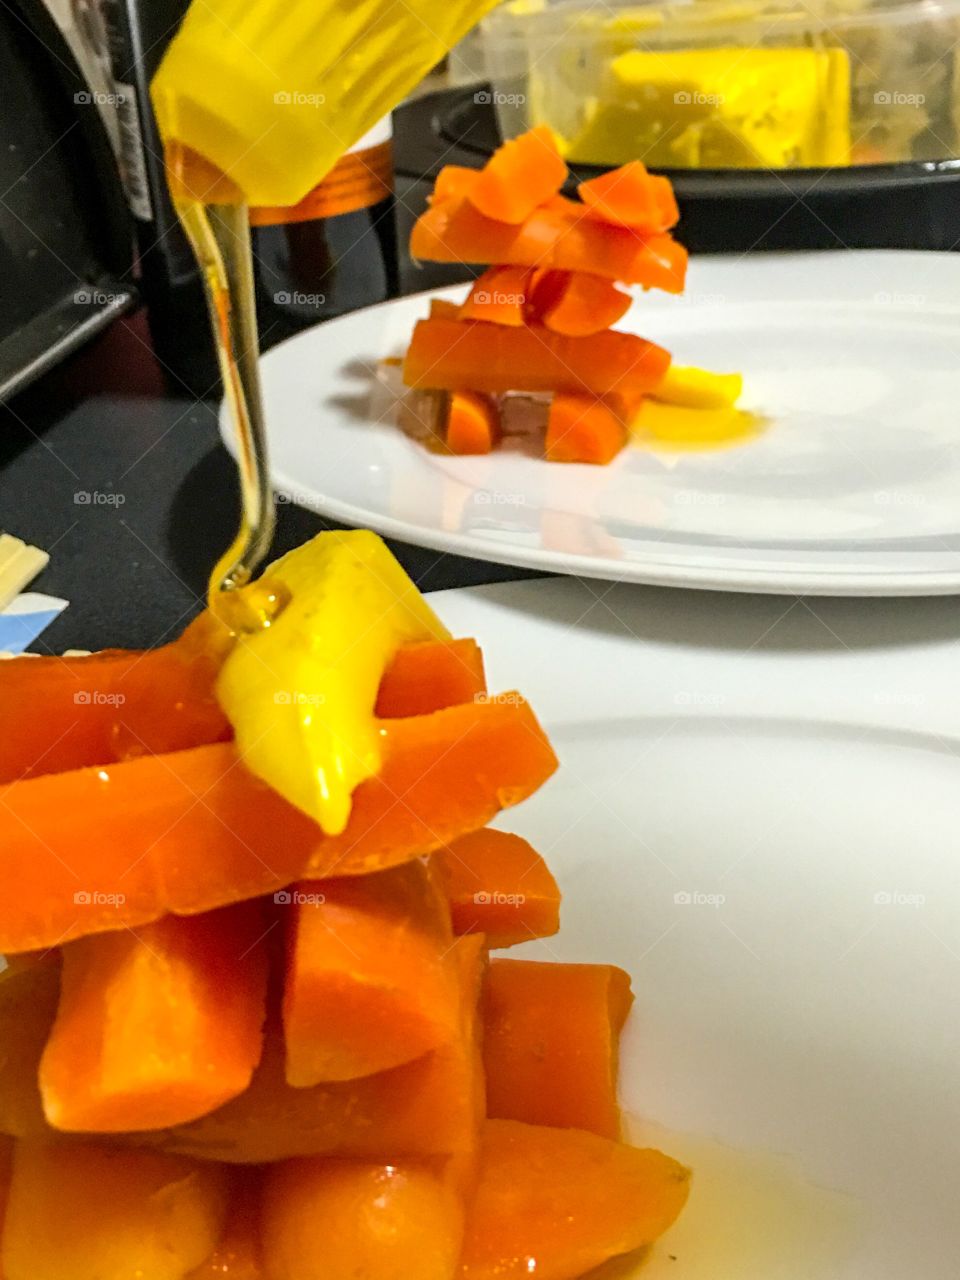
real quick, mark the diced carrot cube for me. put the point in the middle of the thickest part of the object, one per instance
(473, 423)
(368, 982)
(583, 428)
(501, 887)
(556, 1203)
(551, 1043)
(158, 1026)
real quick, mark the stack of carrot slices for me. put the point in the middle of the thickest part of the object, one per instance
(235, 1046)
(540, 318)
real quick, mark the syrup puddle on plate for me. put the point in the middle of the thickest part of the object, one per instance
(750, 1216)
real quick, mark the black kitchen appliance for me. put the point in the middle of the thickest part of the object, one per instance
(65, 238)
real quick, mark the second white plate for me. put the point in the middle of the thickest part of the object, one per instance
(853, 490)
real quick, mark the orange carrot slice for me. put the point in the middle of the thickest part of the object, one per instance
(557, 1202)
(473, 423)
(453, 182)
(551, 1043)
(447, 355)
(500, 886)
(519, 176)
(96, 850)
(561, 235)
(72, 712)
(368, 985)
(84, 1209)
(575, 303)
(631, 197)
(441, 309)
(427, 677)
(499, 296)
(28, 1005)
(159, 1026)
(432, 1106)
(583, 429)
(344, 1219)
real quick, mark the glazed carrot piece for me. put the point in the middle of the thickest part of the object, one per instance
(453, 182)
(558, 1202)
(156, 1027)
(427, 677)
(111, 706)
(432, 1106)
(583, 429)
(343, 1219)
(518, 177)
(28, 1005)
(499, 296)
(78, 1210)
(368, 982)
(441, 309)
(73, 712)
(631, 197)
(561, 236)
(575, 303)
(447, 355)
(500, 886)
(238, 1255)
(193, 830)
(473, 423)
(551, 1043)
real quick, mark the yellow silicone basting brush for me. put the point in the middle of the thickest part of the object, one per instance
(272, 94)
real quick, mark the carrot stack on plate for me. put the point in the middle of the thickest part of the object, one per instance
(236, 1044)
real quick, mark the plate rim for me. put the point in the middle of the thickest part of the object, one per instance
(794, 576)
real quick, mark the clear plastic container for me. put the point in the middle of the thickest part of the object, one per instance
(731, 84)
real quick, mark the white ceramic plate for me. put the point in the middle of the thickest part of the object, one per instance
(758, 815)
(855, 488)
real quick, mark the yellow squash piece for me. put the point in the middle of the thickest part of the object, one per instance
(676, 427)
(698, 388)
(273, 94)
(720, 108)
(300, 693)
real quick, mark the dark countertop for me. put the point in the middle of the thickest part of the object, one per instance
(133, 561)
